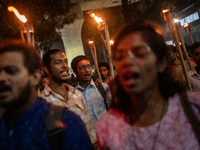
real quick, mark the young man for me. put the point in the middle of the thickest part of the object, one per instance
(58, 92)
(104, 70)
(174, 68)
(23, 121)
(194, 75)
(95, 101)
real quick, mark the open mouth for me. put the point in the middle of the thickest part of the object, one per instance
(4, 91)
(64, 72)
(130, 76)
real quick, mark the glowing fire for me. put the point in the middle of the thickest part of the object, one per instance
(91, 42)
(176, 20)
(20, 17)
(111, 42)
(185, 25)
(96, 18)
(166, 10)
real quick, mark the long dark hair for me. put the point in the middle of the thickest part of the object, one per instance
(153, 34)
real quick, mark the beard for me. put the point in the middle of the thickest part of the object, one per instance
(23, 98)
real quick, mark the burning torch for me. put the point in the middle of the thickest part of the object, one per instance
(26, 28)
(101, 25)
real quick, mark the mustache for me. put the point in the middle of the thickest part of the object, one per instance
(5, 88)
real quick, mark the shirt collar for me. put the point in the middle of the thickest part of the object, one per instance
(92, 84)
(71, 90)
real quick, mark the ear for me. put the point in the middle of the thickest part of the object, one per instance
(162, 65)
(36, 77)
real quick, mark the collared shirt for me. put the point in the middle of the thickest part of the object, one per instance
(94, 100)
(75, 103)
(194, 80)
(29, 133)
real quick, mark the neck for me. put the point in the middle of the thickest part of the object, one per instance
(16, 113)
(59, 88)
(84, 84)
(149, 108)
(106, 80)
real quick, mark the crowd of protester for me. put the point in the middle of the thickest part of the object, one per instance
(147, 105)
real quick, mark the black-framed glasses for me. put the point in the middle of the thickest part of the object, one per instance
(83, 67)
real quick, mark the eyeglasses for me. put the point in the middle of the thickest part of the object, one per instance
(83, 67)
(139, 52)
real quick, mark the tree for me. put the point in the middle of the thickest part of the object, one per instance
(47, 17)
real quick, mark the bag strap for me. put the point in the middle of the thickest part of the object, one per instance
(54, 132)
(192, 118)
(102, 92)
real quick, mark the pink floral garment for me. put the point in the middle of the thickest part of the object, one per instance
(175, 132)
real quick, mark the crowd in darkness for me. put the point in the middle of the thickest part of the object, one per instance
(149, 104)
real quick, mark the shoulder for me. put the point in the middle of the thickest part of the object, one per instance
(74, 91)
(111, 117)
(194, 98)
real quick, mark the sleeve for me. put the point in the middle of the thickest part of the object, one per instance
(75, 136)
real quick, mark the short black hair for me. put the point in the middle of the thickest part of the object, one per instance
(47, 57)
(75, 61)
(195, 45)
(31, 56)
(104, 64)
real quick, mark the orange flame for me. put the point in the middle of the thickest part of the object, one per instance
(91, 42)
(185, 25)
(96, 18)
(20, 17)
(111, 42)
(176, 20)
(166, 10)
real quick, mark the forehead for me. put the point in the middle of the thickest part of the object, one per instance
(12, 59)
(83, 62)
(102, 68)
(57, 56)
(196, 50)
(131, 40)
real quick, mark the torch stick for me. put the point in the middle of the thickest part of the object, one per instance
(101, 25)
(188, 30)
(94, 55)
(25, 27)
(168, 20)
(109, 50)
(178, 28)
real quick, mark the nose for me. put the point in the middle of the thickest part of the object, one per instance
(65, 65)
(3, 76)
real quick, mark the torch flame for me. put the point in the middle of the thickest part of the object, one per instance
(185, 25)
(176, 20)
(20, 17)
(166, 10)
(96, 18)
(91, 42)
(111, 42)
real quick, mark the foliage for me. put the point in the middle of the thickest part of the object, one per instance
(46, 16)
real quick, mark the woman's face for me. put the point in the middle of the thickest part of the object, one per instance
(136, 64)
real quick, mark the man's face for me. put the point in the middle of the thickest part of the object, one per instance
(84, 73)
(196, 56)
(15, 87)
(103, 72)
(59, 69)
